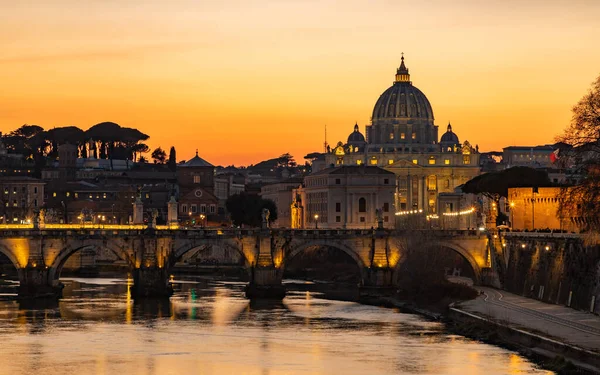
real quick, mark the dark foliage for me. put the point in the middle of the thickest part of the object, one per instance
(582, 200)
(496, 184)
(246, 209)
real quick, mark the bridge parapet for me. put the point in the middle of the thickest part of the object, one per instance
(542, 235)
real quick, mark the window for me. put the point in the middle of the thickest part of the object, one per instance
(203, 208)
(35, 190)
(362, 205)
(447, 161)
(184, 208)
(431, 161)
(23, 190)
(194, 208)
(391, 161)
(338, 219)
(147, 196)
(386, 181)
(338, 181)
(431, 183)
(196, 179)
(362, 219)
(373, 161)
(414, 135)
(466, 159)
(415, 161)
(35, 203)
(386, 207)
(358, 162)
(391, 135)
(76, 195)
(386, 218)
(402, 136)
(54, 194)
(212, 208)
(338, 207)
(15, 191)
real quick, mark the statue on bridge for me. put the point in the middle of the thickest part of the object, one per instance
(379, 216)
(265, 218)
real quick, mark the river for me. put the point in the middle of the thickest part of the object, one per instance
(208, 327)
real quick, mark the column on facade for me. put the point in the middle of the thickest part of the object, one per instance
(408, 192)
(420, 193)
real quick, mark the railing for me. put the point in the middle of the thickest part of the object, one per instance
(541, 235)
(240, 232)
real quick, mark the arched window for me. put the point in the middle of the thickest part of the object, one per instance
(362, 205)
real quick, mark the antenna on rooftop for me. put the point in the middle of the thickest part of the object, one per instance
(325, 143)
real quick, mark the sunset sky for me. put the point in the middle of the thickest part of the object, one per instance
(244, 81)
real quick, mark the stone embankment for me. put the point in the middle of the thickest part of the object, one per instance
(539, 330)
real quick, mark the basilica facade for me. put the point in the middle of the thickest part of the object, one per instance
(403, 138)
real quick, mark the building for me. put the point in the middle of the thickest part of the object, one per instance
(528, 156)
(20, 197)
(537, 209)
(226, 185)
(197, 201)
(281, 194)
(348, 196)
(403, 138)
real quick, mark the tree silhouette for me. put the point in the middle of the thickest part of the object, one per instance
(159, 156)
(583, 160)
(172, 159)
(246, 209)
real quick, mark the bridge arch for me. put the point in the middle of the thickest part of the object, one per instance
(466, 255)
(64, 254)
(181, 251)
(305, 245)
(11, 256)
(457, 249)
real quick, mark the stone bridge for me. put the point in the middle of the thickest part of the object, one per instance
(40, 254)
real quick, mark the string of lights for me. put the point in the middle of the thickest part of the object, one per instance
(460, 213)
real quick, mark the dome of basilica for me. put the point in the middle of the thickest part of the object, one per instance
(402, 100)
(449, 137)
(356, 136)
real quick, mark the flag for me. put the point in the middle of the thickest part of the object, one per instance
(554, 155)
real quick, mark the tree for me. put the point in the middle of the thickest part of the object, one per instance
(583, 160)
(246, 209)
(495, 184)
(172, 159)
(159, 155)
(139, 149)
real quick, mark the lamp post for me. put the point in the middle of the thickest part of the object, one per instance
(202, 217)
(316, 221)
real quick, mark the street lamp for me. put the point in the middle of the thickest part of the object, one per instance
(202, 217)
(316, 221)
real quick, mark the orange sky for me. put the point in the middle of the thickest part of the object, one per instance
(247, 80)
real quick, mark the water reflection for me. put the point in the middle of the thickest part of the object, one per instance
(208, 327)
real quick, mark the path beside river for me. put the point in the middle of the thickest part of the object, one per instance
(544, 328)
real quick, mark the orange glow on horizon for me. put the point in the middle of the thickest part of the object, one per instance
(247, 81)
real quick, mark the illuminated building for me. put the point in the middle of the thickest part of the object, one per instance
(403, 138)
(344, 197)
(20, 196)
(537, 209)
(197, 202)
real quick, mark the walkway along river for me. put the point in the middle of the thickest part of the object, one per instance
(208, 327)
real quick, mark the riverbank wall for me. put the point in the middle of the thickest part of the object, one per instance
(550, 353)
(557, 268)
